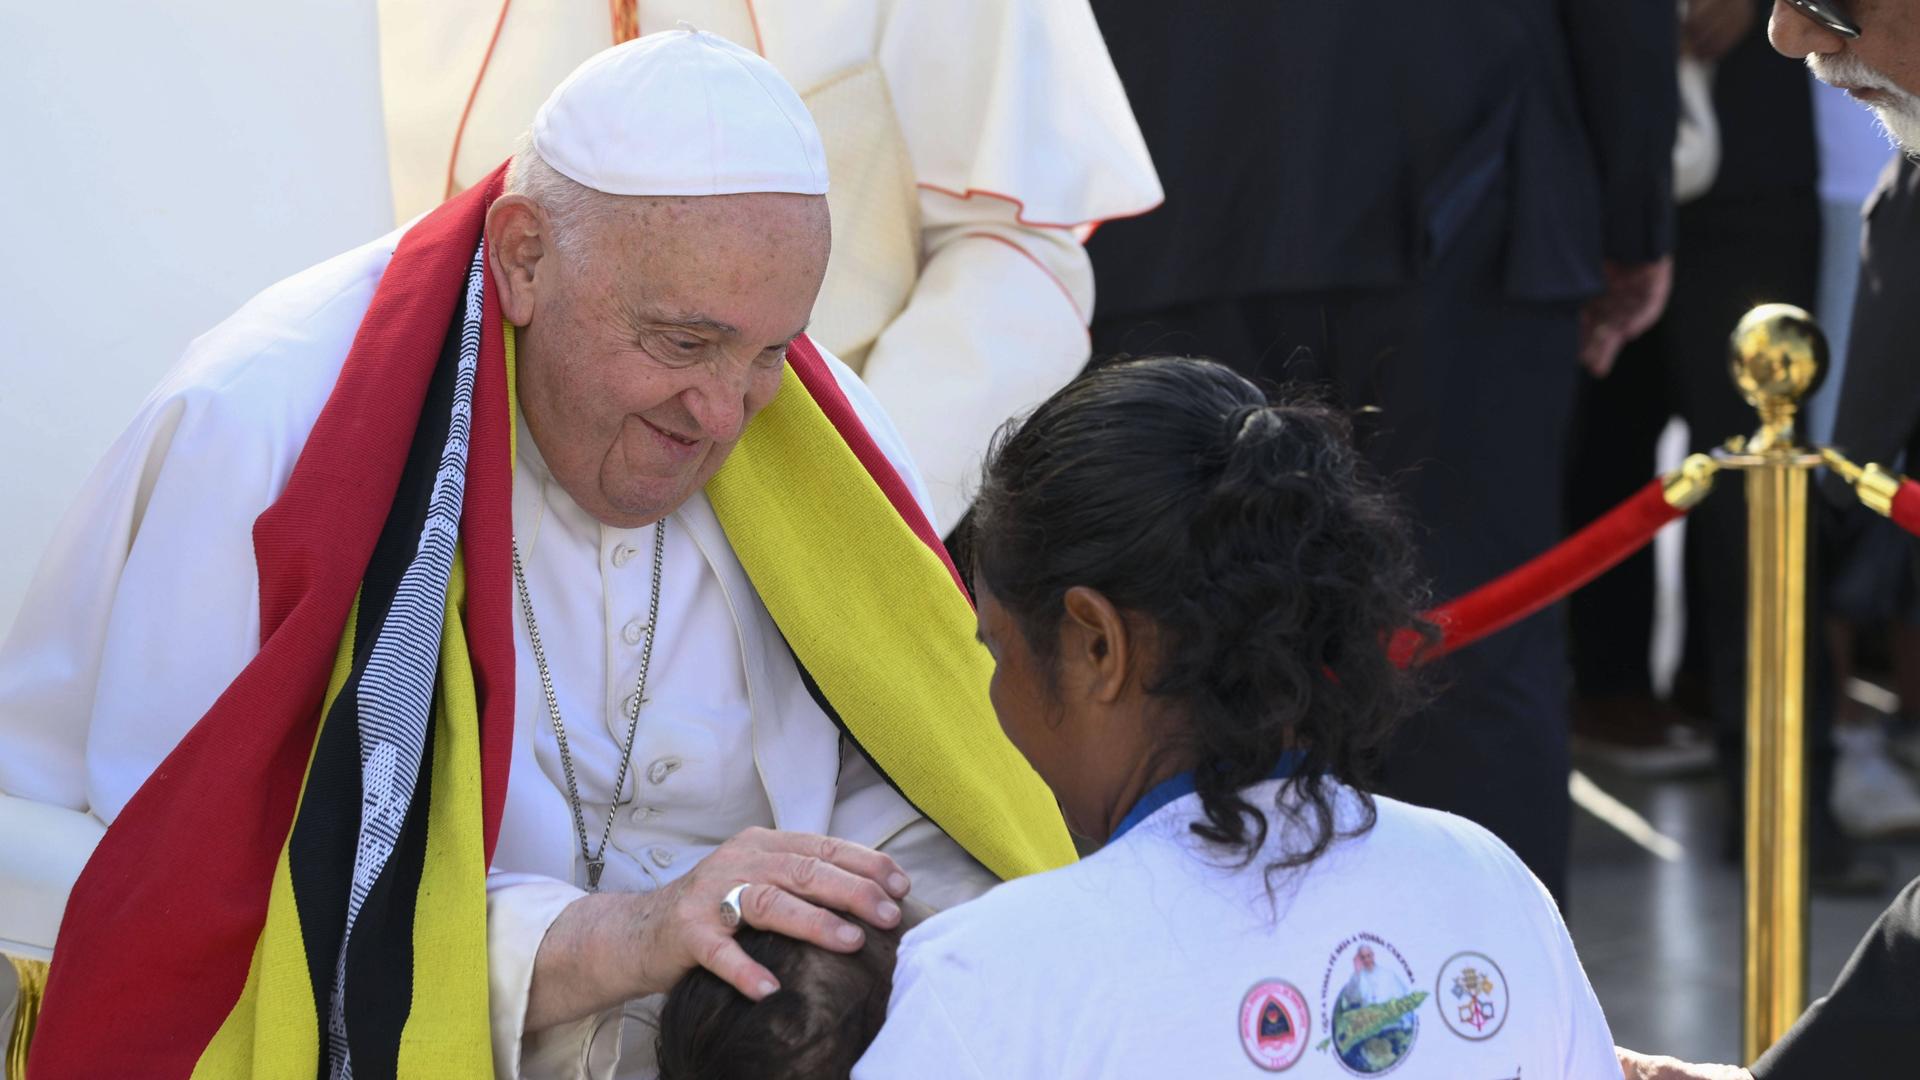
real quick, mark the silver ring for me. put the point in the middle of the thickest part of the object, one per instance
(730, 913)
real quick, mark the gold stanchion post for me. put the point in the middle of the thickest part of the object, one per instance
(1778, 357)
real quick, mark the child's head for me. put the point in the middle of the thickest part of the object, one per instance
(828, 1009)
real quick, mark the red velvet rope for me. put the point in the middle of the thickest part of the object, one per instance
(1558, 572)
(1906, 507)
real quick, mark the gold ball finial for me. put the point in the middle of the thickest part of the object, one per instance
(1778, 357)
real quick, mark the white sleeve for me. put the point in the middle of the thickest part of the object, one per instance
(521, 908)
(880, 426)
(1019, 131)
(928, 1018)
(997, 322)
(1016, 99)
(144, 608)
(1590, 1054)
(146, 604)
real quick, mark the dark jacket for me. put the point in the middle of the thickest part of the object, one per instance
(1878, 414)
(1308, 145)
(1867, 1024)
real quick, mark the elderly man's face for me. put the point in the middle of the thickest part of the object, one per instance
(647, 347)
(1880, 68)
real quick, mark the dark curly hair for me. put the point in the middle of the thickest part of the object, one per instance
(1267, 556)
(824, 1016)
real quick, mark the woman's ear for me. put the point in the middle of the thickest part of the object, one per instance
(1095, 646)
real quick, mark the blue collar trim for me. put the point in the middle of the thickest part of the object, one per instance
(1180, 786)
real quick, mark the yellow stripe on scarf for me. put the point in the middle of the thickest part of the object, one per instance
(449, 1031)
(876, 619)
(273, 1030)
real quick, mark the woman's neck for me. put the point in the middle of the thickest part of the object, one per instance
(1147, 772)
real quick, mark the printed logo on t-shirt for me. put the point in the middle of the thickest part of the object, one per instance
(1374, 1019)
(1274, 1024)
(1471, 994)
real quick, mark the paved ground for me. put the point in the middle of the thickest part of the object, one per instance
(1661, 939)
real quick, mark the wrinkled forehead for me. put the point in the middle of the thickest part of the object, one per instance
(737, 261)
(713, 229)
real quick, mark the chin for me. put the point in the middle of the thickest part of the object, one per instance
(636, 500)
(1902, 126)
(634, 510)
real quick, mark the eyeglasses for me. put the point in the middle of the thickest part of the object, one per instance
(1830, 14)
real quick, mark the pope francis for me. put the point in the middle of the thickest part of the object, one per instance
(476, 628)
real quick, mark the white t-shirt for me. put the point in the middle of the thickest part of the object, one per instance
(1425, 945)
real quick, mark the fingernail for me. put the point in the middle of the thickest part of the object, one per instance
(767, 988)
(898, 884)
(849, 935)
(889, 911)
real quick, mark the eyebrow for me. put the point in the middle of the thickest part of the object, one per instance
(698, 321)
(693, 322)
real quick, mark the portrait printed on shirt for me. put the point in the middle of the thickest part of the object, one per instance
(1373, 1020)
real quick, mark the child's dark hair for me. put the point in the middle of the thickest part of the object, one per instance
(824, 1016)
(1262, 549)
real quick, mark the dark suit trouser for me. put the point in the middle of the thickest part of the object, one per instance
(1474, 392)
(1615, 434)
(1731, 253)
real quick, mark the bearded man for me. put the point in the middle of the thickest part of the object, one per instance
(1865, 1024)
(550, 484)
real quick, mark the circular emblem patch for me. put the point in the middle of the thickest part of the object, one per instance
(1471, 994)
(1274, 1024)
(1370, 1006)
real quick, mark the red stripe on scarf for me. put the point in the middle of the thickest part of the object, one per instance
(818, 378)
(486, 531)
(160, 929)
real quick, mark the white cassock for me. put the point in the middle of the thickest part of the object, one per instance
(147, 605)
(967, 141)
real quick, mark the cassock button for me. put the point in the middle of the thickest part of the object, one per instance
(660, 770)
(661, 857)
(633, 631)
(624, 554)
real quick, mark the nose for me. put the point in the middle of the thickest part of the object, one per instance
(1794, 34)
(718, 401)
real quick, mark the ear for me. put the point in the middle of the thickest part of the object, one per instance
(519, 246)
(1095, 646)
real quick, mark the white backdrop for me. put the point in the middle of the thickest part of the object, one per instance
(159, 164)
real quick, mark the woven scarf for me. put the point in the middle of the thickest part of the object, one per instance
(299, 889)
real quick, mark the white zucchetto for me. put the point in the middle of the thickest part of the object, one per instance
(681, 112)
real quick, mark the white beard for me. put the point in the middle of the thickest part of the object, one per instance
(1902, 127)
(1899, 117)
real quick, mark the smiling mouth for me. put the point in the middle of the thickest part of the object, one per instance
(672, 436)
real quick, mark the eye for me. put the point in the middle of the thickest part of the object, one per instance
(685, 345)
